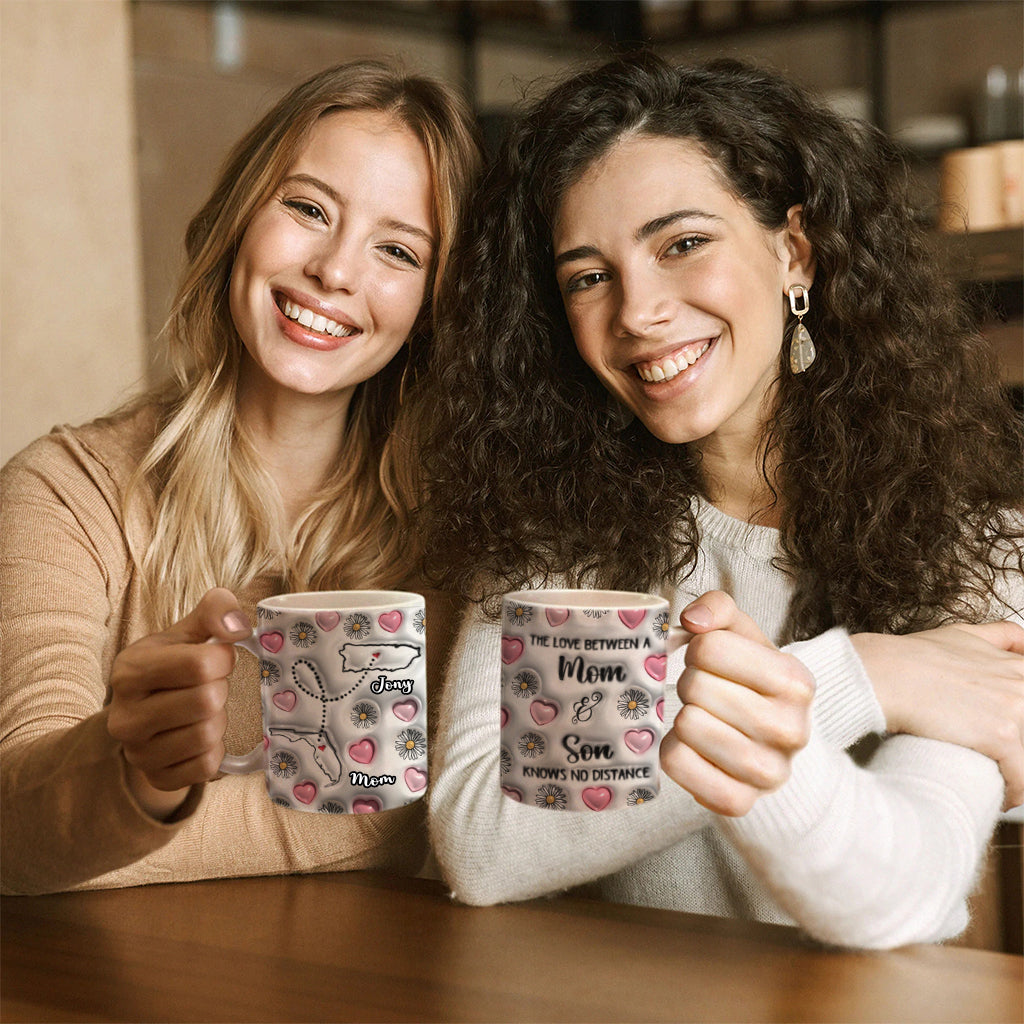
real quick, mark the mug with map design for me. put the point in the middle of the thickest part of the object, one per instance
(582, 697)
(344, 697)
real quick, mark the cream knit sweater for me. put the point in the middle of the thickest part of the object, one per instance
(874, 856)
(71, 600)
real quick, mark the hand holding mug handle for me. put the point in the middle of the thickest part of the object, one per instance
(168, 693)
(746, 710)
(242, 764)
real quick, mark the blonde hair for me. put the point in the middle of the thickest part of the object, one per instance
(217, 516)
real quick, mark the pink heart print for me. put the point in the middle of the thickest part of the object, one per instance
(543, 711)
(285, 700)
(632, 617)
(366, 805)
(305, 792)
(597, 798)
(415, 779)
(406, 710)
(327, 620)
(656, 666)
(639, 740)
(272, 641)
(556, 616)
(504, 716)
(363, 751)
(390, 621)
(266, 742)
(511, 649)
(660, 708)
(513, 793)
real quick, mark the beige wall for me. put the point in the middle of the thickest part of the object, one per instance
(71, 342)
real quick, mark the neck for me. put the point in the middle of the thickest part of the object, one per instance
(297, 439)
(736, 478)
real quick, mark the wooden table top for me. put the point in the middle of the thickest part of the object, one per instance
(365, 947)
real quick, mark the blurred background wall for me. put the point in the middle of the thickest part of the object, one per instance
(116, 115)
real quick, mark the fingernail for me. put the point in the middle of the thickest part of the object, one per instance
(236, 622)
(699, 615)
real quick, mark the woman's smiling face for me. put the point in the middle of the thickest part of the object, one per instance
(332, 270)
(673, 290)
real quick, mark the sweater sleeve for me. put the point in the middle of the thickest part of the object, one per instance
(69, 819)
(881, 855)
(492, 849)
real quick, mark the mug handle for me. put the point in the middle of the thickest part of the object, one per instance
(677, 637)
(242, 764)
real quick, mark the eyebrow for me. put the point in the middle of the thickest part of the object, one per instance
(336, 197)
(642, 234)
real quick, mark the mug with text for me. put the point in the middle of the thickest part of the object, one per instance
(344, 696)
(582, 697)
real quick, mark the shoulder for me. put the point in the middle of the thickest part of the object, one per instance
(105, 451)
(85, 469)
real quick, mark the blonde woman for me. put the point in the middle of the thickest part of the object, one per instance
(275, 459)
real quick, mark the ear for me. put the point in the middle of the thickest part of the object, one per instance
(798, 246)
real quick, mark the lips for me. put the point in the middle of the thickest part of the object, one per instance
(315, 321)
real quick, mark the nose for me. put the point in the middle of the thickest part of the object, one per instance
(335, 264)
(644, 304)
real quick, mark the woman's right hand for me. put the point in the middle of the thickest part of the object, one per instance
(960, 683)
(168, 698)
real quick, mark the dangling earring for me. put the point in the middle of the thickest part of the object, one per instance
(801, 348)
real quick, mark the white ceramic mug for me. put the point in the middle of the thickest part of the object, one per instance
(582, 698)
(344, 696)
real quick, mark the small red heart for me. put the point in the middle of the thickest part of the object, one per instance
(322, 746)
(305, 792)
(272, 641)
(597, 798)
(285, 700)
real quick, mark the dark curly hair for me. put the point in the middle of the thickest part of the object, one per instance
(898, 455)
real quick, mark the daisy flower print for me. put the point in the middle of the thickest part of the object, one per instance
(419, 621)
(551, 797)
(270, 672)
(364, 714)
(531, 744)
(519, 614)
(410, 744)
(284, 764)
(634, 703)
(639, 796)
(303, 634)
(357, 625)
(525, 683)
(660, 624)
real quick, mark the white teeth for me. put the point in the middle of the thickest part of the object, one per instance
(667, 368)
(314, 321)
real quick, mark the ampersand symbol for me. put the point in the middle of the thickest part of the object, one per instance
(584, 708)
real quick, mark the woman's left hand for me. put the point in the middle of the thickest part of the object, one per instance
(746, 710)
(960, 683)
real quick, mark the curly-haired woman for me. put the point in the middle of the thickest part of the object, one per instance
(276, 459)
(699, 347)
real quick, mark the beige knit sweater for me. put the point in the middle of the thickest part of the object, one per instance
(71, 600)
